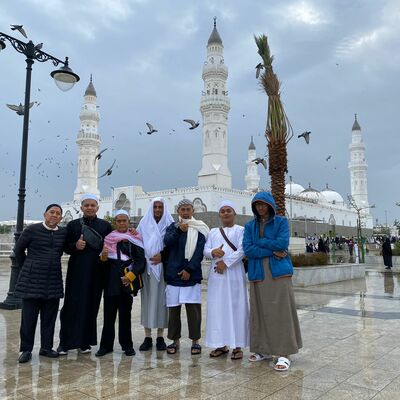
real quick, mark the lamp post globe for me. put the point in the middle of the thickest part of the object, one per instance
(2, 45)
(64, 77)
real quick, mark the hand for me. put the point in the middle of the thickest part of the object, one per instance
(218, 252)
(80, 244)
(220, 267)
(280, 254)
(183, 227)
(104, 254)
(125, 281)
(185, 276)
(133, 231)
(156, 259)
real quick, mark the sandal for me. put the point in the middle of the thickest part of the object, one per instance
(236, 354)
(172, 348)
(219, 351)
(282, 364)
(255, 357)
(195, 349)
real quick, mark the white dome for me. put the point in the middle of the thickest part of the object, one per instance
(332, 196)
(312, 194)
(295, 191)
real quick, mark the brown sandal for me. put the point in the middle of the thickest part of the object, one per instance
(237, 354)
(219, 351)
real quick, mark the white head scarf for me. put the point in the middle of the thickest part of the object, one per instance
(153, 235)
(227, 203)
(89, 196)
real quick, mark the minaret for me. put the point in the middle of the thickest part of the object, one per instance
(88, 142)
(358, 168)
(252, 178)
(214, 108)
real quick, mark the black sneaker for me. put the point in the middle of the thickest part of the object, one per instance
(147, 344)
(102, 352)
(85, 350)
(48, 353)
(160, 344)
(25, 357)
(130, 352)
(61, 351)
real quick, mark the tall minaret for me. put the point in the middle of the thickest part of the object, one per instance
(358, 167)
(88, 142)
(252, 178)
(214, 108)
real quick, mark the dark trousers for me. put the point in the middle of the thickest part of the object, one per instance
(123, 304)
(30, 311)
(193, 313)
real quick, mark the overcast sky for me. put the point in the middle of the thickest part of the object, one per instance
(334, 58)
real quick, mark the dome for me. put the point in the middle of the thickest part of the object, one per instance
(312, 194)
(214, 37)
(332, 196)
(295, 191)
(251, 146)
(356, 125)
(90, 90)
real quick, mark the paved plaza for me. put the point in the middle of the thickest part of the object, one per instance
(351, 335)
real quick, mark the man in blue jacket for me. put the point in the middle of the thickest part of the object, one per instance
(185, 242)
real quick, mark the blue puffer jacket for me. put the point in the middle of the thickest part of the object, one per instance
(276, 238)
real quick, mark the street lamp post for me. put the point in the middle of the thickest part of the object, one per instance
(358, 209)
(65, 79)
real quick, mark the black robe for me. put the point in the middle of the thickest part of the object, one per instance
(83, 288)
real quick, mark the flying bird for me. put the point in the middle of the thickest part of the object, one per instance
(328, 158)
(109, 171)
(191, 122)
(20, 29)
(76, 210)
(151, 129)
(260, 160)
(20, 109)
(259, 67)
(100, 154)
(306, 136)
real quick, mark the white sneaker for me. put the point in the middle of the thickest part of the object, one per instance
(61, 351)
(86, 350)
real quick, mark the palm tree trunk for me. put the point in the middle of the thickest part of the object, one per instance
(277, 168)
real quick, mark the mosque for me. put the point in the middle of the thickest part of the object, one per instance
(214, 180)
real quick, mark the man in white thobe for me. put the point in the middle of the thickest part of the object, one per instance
(227, 300)
(154, 312)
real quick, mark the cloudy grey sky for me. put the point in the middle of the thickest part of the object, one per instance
(333, 57)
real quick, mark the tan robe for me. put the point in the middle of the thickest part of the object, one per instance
(274, 326)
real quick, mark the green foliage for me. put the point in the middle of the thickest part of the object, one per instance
(309, 259)
(5, 229)
(110, 220)
(396, 250)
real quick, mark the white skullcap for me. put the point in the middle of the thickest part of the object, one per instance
(122, 212)
(227, 203)
(89, 196)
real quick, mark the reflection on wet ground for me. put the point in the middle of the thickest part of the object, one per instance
(351, 351)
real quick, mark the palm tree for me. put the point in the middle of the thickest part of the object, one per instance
(278, 130)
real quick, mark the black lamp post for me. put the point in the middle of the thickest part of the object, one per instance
(65, 79)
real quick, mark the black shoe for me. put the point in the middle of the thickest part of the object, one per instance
(160, 344)
(25, 357)
(85, 350)
(130, 352)
(388, 268)
(61, 351)
(147, 344)
(102, 352)
(48, 353)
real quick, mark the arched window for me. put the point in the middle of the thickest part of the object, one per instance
(198, 205)
(123, 203)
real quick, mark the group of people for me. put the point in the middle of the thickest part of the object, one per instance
(161, 259)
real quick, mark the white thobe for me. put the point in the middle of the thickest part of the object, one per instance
(227, 300)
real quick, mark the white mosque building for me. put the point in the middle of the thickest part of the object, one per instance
(214, 180)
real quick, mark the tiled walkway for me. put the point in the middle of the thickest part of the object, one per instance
(351, 334)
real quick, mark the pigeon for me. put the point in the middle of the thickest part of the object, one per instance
(328, 158)
(109, 171)
(191, 122)
(20, 29)
(306, 136)
(260, 160)
(100, 154)
(76, 210)
(19, 109)
(259, 67)
(39, 46)
(151, 129)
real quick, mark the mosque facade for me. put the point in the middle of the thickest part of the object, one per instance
(214, 180)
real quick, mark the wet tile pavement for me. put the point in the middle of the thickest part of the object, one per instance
(351, 351)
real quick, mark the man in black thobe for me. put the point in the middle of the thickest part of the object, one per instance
(85, 279)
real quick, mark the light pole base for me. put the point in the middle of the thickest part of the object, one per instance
(11, 302)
